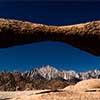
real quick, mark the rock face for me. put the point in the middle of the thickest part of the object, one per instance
(7, 81)
(89, 74)
(50, 73)
(87, 84)
(44, 77)
(83, 36)
(39, 78)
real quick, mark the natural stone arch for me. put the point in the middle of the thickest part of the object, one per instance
(84, 36)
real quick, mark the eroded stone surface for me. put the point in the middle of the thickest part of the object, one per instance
(84, 36)
(85, 86)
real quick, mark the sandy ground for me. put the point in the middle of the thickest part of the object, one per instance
(65, 95)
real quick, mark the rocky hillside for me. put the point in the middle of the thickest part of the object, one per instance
(49, 72)
(44, 77)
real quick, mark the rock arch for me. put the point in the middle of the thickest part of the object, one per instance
(85, 36)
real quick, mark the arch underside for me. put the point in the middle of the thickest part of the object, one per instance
(84, 36)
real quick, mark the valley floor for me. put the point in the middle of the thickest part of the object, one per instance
(39, 95)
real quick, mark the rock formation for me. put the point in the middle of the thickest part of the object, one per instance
(89, 74)
(88, 84)
(50, 73)
(44, 77)
(85, 85)
(84, 36)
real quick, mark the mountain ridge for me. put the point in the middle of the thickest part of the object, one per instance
(49, 68)
(44, 77)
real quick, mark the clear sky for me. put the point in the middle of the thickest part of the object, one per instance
(60, 55)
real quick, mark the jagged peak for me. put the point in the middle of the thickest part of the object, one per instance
(47, 67)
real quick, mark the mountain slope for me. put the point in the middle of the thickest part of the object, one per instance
(44, 77)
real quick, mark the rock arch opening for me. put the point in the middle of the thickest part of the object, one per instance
(84, 36)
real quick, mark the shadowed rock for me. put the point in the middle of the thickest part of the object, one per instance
(84, 36)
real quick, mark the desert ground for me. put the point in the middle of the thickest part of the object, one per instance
(65, 95)
(83, 90)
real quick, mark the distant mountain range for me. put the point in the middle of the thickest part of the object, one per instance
(44, 77)
(49, 72)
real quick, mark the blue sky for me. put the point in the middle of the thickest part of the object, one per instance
(60, 55)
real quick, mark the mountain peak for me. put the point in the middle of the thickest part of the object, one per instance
(47, 68)
(48, 72)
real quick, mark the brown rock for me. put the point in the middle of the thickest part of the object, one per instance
(18, 77)
(7, 81)
(20, 81)
(85, 85)
(56, 84)
(83, 36)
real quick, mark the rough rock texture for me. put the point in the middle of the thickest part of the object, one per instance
(50, 73)
(85, 85)
(44, 77)
(11, 82)
(7, 81)
(17, 81)
(83, 36)
(89, 74)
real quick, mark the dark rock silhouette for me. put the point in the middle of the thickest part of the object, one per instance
(84, 36)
